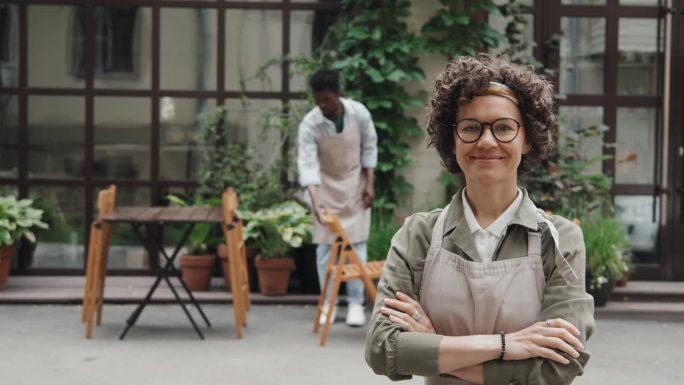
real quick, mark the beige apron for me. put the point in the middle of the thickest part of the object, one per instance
(342, 183)
(463, 297)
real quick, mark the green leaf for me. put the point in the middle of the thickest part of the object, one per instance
(375, 75)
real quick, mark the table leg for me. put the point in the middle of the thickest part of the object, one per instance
(162, 274)
(169, 264)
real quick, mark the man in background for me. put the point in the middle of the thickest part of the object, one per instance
(336, 160)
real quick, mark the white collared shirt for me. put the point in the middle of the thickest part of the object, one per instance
(314, 123)
(487, 239)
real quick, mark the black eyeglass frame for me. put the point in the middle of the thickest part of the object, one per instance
(491, 124)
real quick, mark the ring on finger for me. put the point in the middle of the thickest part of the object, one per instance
(548, 323)
(416, 315)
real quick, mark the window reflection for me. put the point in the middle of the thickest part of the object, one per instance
(122, 140)
(9, 45)
(640, 56)
(49, 44)
(56, 136)
(9, 140)
(634, 159)
(250, 43)
(573, 119)
(582, 53)
(179, 120)
(637, 214)
(62, 245)
(188, 49)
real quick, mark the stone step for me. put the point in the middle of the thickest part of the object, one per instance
(663, 311)
(649, 291)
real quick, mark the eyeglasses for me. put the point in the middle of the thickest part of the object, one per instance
(504, 130)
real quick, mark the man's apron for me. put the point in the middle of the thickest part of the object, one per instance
(342, 183)
(463, 297)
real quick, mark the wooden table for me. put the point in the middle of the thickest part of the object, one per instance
(147, 217)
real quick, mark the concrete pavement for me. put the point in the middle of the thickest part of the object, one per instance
(45, 344)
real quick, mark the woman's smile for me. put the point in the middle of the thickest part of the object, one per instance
(486, 158)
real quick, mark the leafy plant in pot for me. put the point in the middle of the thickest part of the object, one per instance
(198, 263)
(606, 244)
(18, 219)
(275, 230)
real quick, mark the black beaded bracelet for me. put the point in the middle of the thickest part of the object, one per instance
(503, 345)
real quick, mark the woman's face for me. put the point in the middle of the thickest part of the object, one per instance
(488, 161)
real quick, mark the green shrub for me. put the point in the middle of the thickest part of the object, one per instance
(606, 244)
(383, 228)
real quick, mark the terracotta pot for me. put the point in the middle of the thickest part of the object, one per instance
(196, 270)
(6, 254)
(222, 253)
(274, 275)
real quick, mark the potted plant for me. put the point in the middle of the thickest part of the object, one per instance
(198, 264)
(18, 219)
(606, 244)
(275, 230)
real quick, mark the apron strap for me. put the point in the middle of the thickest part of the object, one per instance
(438, 230)
(534, 244)
(562, 264)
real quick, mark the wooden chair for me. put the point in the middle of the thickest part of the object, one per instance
(344, 265)
(237, 259)
(96, 268)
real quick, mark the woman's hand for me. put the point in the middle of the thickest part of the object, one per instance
(542, 339)
(407, 313)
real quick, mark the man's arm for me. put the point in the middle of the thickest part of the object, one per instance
(369, 190)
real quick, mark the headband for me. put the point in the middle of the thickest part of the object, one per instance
(502, 90)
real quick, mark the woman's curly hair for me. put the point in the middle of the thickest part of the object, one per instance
(467, 77)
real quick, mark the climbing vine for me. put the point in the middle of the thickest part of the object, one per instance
(377, 56)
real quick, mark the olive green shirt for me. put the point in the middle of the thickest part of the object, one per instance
(399, 354)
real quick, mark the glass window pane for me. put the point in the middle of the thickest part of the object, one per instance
(653, 3)
(307, 30)
(9, 139)
(640, 56)
(9, 45)
(7, 190)
(635, 152)
(122, 47)
(179, 124)
(572, 120)
(636, 212)
(56, 136)
(56, 46)
(584, 2)
(188, 49)
(250, 125)
(125, 248)
(62, 245)
(582, 55)
(122, 140)
(252, 39)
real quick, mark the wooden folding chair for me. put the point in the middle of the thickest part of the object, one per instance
(344, 265)
(96, 268)
(237, 259)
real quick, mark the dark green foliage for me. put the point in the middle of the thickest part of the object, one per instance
(383, 228)
(453, 31)
(228, 163)
(606, 244)
(561, 183)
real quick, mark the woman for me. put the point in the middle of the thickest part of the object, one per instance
(488, 290)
